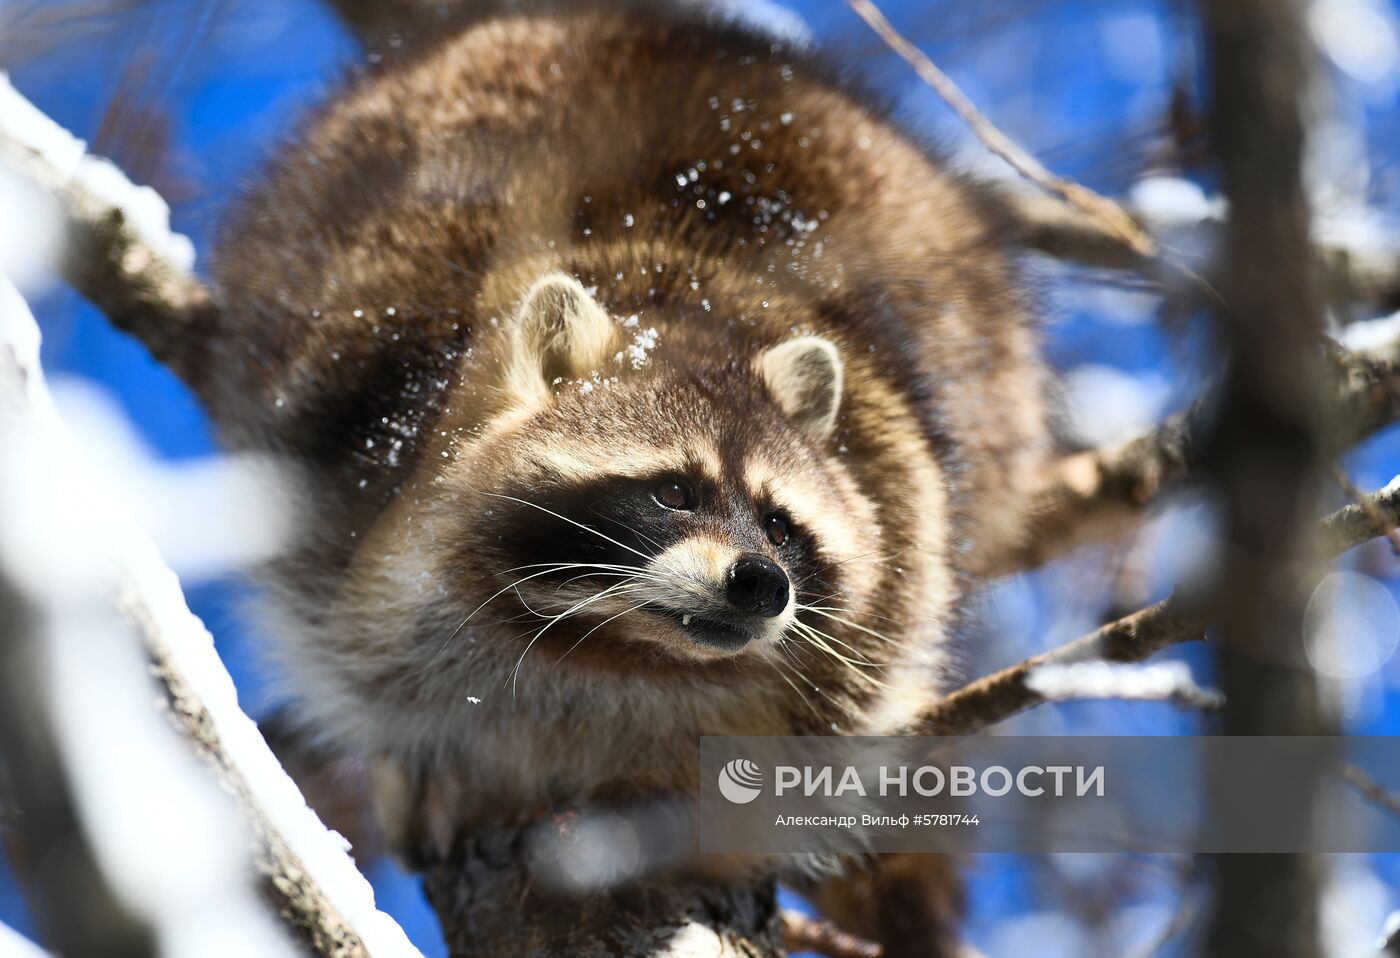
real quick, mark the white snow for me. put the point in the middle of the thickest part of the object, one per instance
(26, 127)
(1389, 929)
(1359, 36)
(206, 516)
(15, 945)
(1375, 334)
(1167, 202)
(28, 255)
(778, 21)
(1105, 405)
(1115, 680)
(69, 544)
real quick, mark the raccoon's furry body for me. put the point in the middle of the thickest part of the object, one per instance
(400, 323)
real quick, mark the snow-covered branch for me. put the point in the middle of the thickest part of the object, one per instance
(80, 560)
(101, 771)
(118, 250)
(1159, 682)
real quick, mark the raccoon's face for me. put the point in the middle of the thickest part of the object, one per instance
(695, 507)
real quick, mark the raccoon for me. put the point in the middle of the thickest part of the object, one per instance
(647, 381)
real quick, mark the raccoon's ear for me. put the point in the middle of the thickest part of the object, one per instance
(560, 333)
(804, 376)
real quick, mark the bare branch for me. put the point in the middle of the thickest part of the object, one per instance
(801, 933)
(1100, 492)
(1371, 790)
(1373, 512)
(1348, 273)
(1096, 493)
(1102, 209)
(1002, 694)
(998, 696)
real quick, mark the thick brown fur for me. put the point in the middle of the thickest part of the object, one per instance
(718, 196)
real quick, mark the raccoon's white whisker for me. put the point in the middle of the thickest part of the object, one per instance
(583, 603)
(806, 680)
(822, 611)
(639, 605)
(837, 608)
(640, 535)
(495, 595)
(559, 566)
(853, 666)
(829, 595)
(793, 685)
(648, 576)
(572, 522)
(828, 637)
(874, 558)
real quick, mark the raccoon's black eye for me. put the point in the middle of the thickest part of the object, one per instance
(675, 495)
(777, 528)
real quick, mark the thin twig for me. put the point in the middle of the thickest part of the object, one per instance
(1103, 209)
(1371, 790)
(1377, 517)
(1101, 492)
(1172, 621)
(801, 933)
(1180, 920)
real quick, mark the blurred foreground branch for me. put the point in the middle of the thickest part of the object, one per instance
(1266, 451)
(90, 550)
(73, 903)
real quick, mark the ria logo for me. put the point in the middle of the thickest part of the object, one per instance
(740, 781)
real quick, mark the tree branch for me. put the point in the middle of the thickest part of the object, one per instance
(1348, 273)
(1113, 218)
(119, 252)
(1172, 621)
(308, 876)
(1100, 492)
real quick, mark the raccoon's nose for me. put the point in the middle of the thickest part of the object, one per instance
(757, 585)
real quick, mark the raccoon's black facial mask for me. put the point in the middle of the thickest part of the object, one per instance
(690, 555)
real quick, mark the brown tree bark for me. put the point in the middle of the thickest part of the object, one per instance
(1265, 455)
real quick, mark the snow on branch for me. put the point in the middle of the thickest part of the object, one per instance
(98, 768)
(71, 546)
(119, 251)
(1172, 621)
(15, 945)
(1160, 682)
